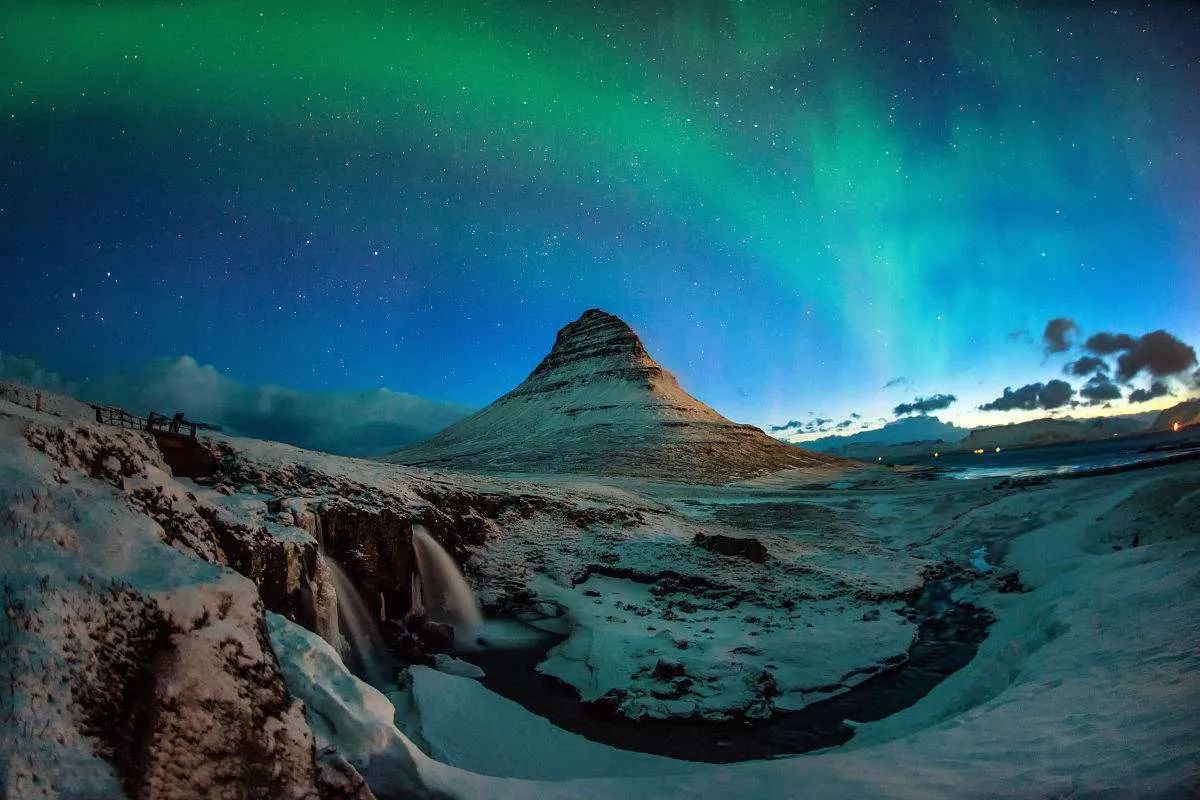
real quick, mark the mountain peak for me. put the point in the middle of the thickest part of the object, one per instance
(599, 403)
(595, 335)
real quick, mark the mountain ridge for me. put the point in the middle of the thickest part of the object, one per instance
(598, 403)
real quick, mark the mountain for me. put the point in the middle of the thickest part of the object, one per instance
(1053, 431)
(905, 430)
(600, 404)
(1186, 413)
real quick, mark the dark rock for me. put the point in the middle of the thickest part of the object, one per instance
(1009, 582)
(870, 616)
(666, 670)
(437, 635)
(746, 547)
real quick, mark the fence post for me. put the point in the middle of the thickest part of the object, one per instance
(38, 403)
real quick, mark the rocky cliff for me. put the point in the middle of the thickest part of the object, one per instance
(600, 404)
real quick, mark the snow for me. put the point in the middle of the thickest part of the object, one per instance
(467, 725)
(599, 403)
(1086, 686)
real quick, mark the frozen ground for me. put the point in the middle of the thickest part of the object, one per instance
(126, 612)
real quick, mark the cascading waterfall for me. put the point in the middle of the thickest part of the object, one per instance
(325, 604)
(445, 595)
(365, 643)
(339, 607)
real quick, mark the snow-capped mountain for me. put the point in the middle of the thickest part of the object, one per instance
(600, 404)
(901, 431)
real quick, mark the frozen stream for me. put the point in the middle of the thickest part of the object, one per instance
(948, 635)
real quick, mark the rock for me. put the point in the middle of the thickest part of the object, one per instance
(1009, 582)
(437, 635)
(870, 616)
(666, 669)
(746, 547)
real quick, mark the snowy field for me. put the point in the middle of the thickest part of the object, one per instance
(161, 637)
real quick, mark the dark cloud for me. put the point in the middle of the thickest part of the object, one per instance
(1085, 365)
(791, 423)
(1157, 389)
(894, 382)
(348, 423)
(846, 423)
(1059, 334)
(1104, 344)
(923, 405)
(1053, 394)
(24, 370)
(855, 415)
(1100, 389)
(1159, 353)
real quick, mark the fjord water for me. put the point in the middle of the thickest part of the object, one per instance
(1068, 458)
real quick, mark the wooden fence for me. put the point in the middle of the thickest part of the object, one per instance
(155, 423)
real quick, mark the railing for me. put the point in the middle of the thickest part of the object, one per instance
(120, 418)
(155, 423)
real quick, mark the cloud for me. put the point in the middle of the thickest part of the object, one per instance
(791, 423)
(1159, 353)
(1100, 389)
(1019, 335)
(846, 423)
(1104, 344)
(1053, 394)
(1059, 334)
(348, 423)
(923, 405)
(29, 372)
(1085, 365)
(1157, 389)
(895, 382)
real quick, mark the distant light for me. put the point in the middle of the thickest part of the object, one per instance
(1175, 426)
(978, 451)
(997, 449)
(935, 455)
(879, 458)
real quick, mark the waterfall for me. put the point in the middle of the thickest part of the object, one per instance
(325, 604)
(365, 643)
(342, 618)
(445, 595)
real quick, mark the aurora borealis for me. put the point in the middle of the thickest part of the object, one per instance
(794, 203)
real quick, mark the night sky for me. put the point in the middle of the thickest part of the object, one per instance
(794, 204)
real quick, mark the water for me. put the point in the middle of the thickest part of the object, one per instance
(1068, 459)
(445, 595)
(325, 604)
(948, 635)
(367, 651)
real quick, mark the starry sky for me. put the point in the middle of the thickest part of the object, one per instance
(795, 204)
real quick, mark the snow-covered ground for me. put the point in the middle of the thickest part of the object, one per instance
(138, 661)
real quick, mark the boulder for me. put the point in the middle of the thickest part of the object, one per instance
(746, 547)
